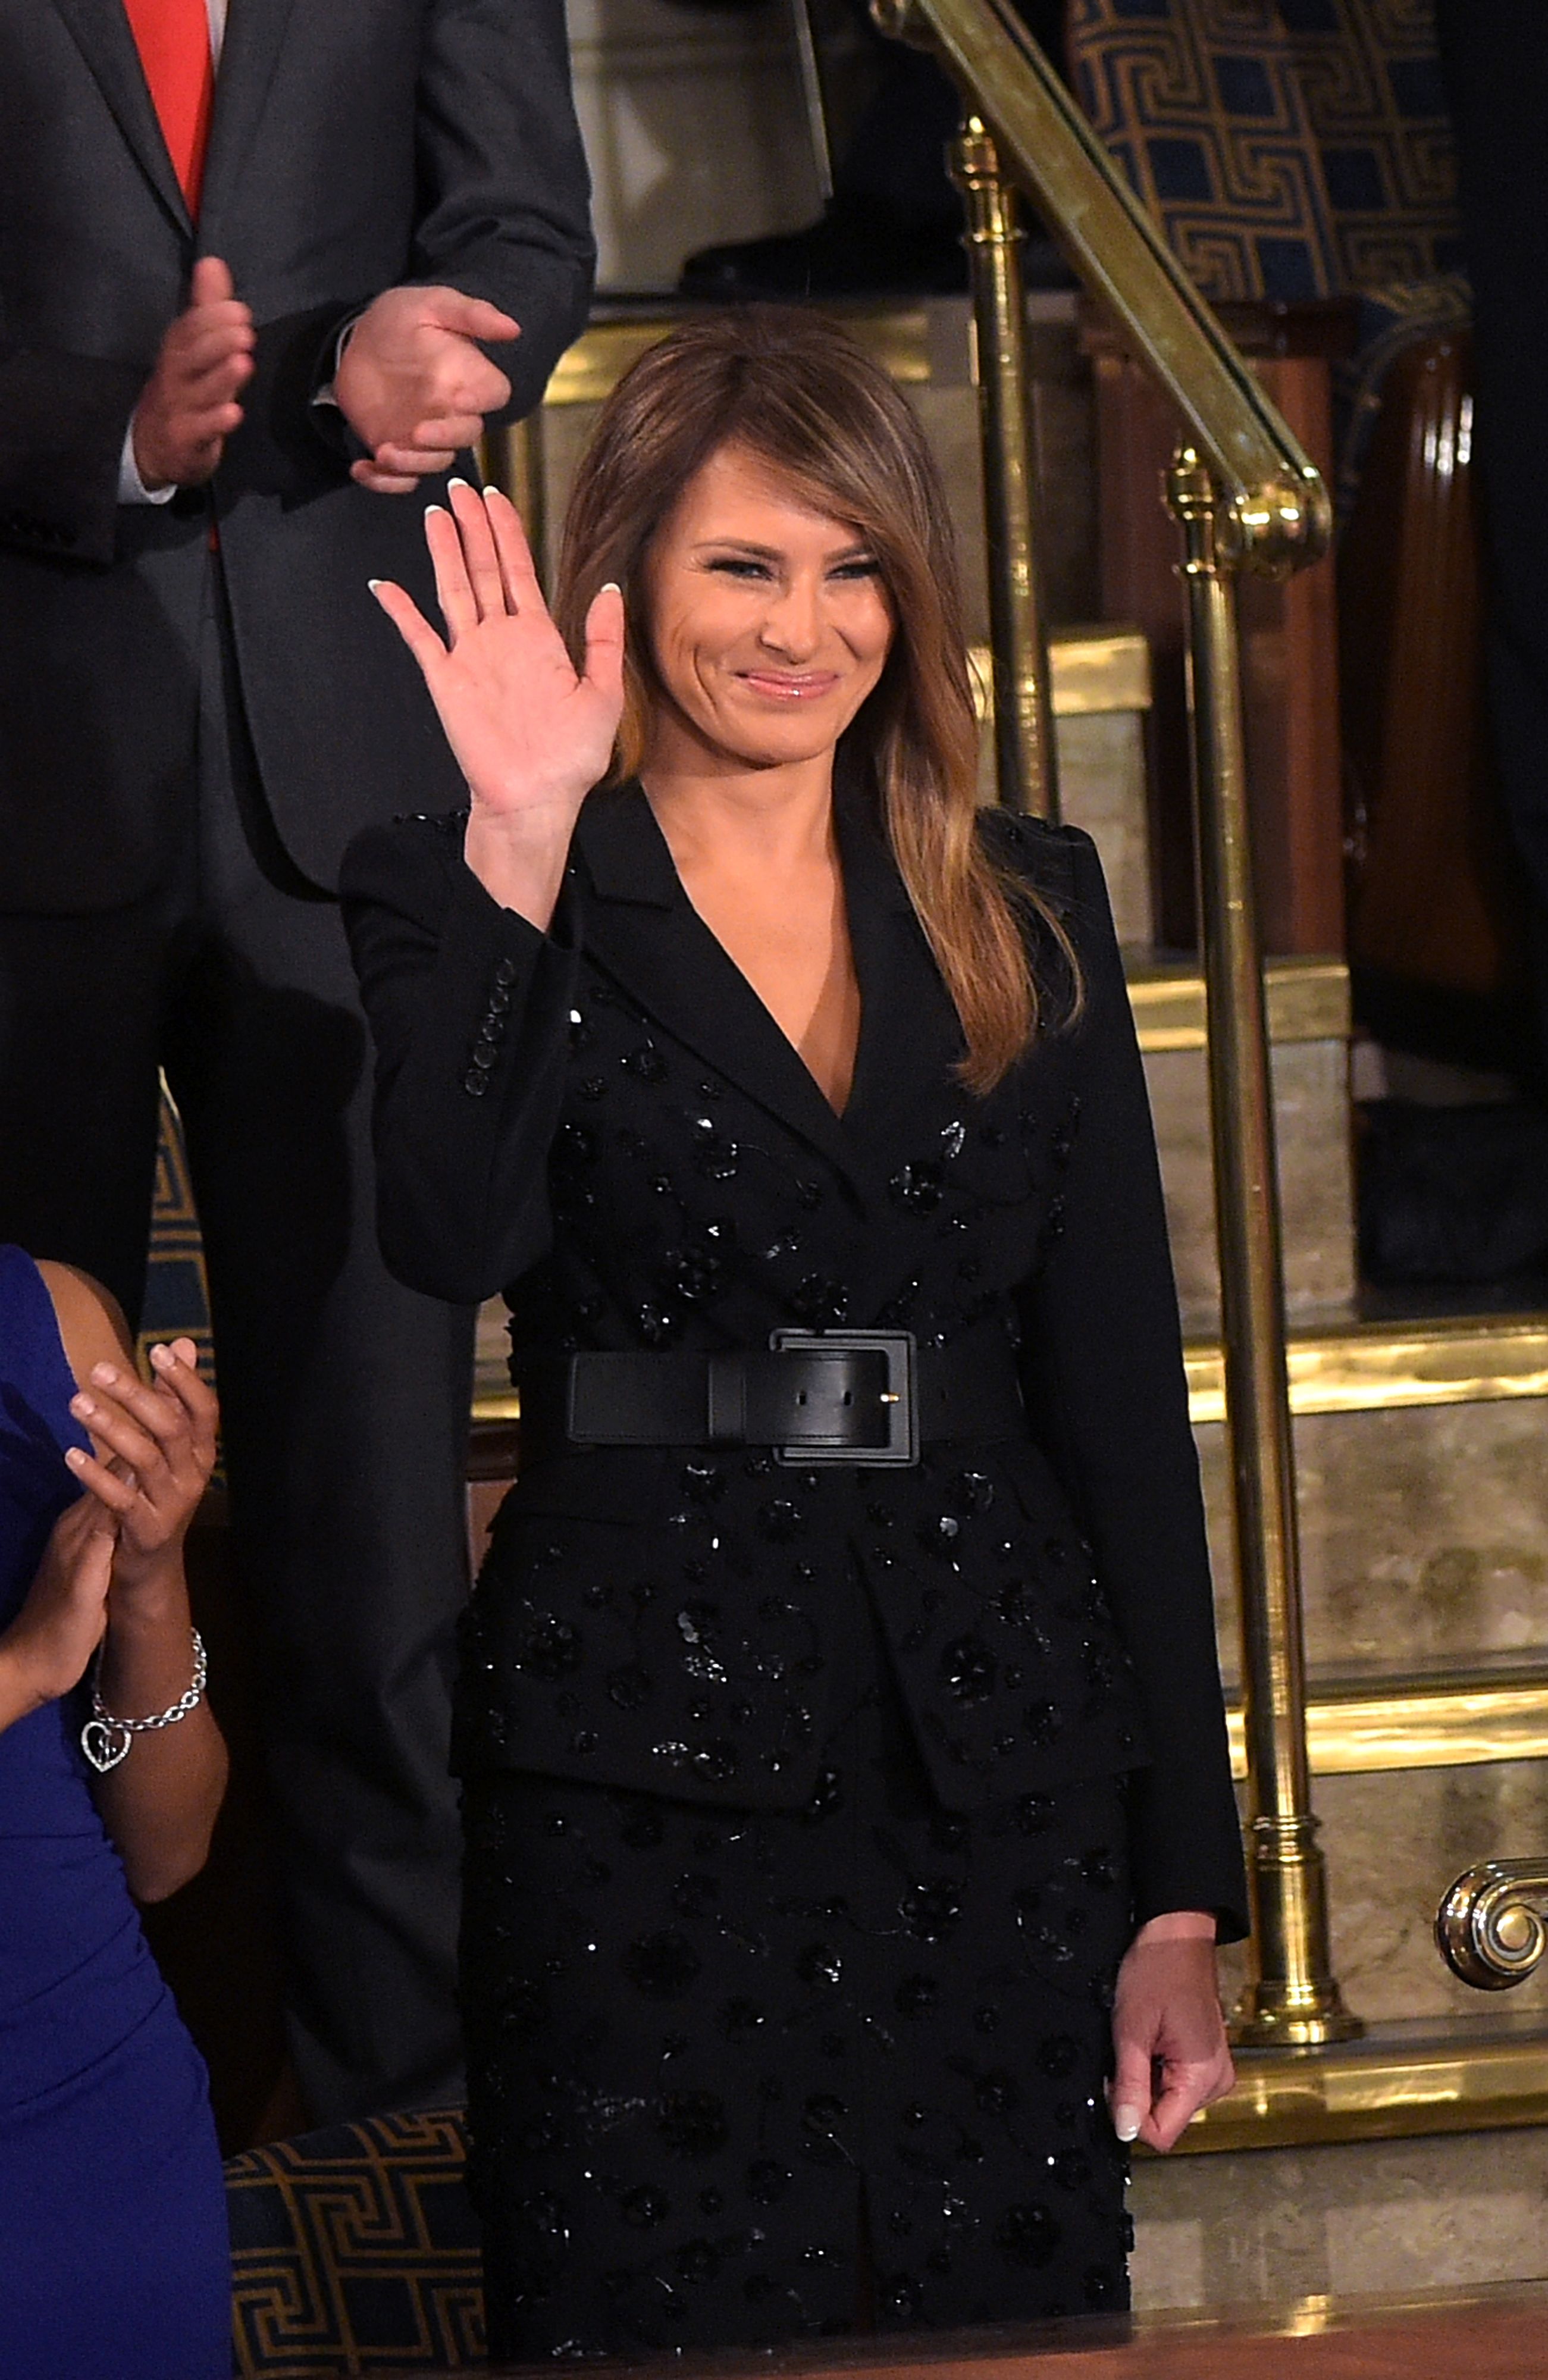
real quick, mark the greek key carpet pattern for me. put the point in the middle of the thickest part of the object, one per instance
(356, 2249)
(1289, 149)
(177, 1288)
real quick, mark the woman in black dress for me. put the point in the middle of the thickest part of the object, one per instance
(844, 1761)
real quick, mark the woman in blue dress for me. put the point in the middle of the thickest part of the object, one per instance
(113, 2257)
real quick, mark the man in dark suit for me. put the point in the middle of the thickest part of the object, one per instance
(200, 468)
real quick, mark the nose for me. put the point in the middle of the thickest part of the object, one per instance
(793, 623)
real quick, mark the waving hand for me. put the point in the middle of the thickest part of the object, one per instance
(531, 735)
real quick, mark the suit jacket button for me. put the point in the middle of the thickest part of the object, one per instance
(474, 1083)
(485, 1053)
(505, 974)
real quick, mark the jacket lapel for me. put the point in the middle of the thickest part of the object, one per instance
(910, 1036)
(643, 929)
(102, 35)
(255, 31)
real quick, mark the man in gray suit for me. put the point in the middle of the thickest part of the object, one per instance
(260, 281)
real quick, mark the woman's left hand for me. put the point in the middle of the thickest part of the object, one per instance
(155, 1448)
(1168, 2033)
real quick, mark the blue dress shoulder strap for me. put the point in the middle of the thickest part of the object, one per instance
(36, 1376)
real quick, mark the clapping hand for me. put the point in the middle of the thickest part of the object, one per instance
(414, 384)
(189, 407)
(530, 732)
(154, 1449)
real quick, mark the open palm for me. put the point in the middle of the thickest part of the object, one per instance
(529, 732)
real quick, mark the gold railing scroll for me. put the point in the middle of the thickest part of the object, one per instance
(1491, 1928)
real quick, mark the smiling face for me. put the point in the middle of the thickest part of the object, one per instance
(769, 622)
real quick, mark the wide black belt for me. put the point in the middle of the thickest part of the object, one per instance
(831, 1396)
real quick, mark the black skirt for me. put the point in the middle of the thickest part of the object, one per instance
(737, 2078)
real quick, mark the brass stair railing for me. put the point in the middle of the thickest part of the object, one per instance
(1246, 497)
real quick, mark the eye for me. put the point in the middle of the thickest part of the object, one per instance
(863, 566)
(738, 566)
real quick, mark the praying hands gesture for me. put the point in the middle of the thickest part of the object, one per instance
(530, 732)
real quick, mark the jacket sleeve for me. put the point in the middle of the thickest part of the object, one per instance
(469, 1007)
(507, 208)
(1109, 1400)
(62, 423)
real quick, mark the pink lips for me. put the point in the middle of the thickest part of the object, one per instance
(788, 687)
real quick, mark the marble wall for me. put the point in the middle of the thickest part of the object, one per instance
(1394, 1842)
(1424, 1535)
(1311, 1091)
(1102, 788)
(1388, 2216)
(694, 126)
(1425, 1545)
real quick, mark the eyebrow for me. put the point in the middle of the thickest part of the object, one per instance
(772, 552)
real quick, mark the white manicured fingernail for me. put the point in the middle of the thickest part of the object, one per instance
(1126, 2124)
(371, 585)
(491, 490)
(609, 587)
(459, 483)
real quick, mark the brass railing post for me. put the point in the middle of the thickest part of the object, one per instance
(1025, 767)
(1293, 1998)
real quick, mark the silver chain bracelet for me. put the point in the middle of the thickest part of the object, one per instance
(106, 1740)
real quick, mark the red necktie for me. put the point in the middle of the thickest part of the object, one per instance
(174, 37)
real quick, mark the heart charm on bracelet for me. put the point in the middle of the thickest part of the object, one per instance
(104, 1743)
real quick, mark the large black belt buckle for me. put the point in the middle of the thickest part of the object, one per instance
(899, 1403)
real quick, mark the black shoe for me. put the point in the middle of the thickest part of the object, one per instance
(850, 251)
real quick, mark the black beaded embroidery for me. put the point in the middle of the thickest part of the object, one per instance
(649, 2004)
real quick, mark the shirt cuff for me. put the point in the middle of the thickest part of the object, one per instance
(132, 488)
(325, 395)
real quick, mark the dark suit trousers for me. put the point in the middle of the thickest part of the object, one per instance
(344, 1397)
(1495, 59)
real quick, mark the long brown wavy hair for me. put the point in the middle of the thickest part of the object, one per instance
(800, 394)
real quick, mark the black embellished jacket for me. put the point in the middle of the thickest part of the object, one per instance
(605, 1122)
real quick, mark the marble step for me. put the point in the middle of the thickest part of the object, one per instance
(1424, 1497)
(1421, 1466)
(1325, 2222)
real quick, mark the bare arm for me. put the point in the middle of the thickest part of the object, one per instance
(160, 1804)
